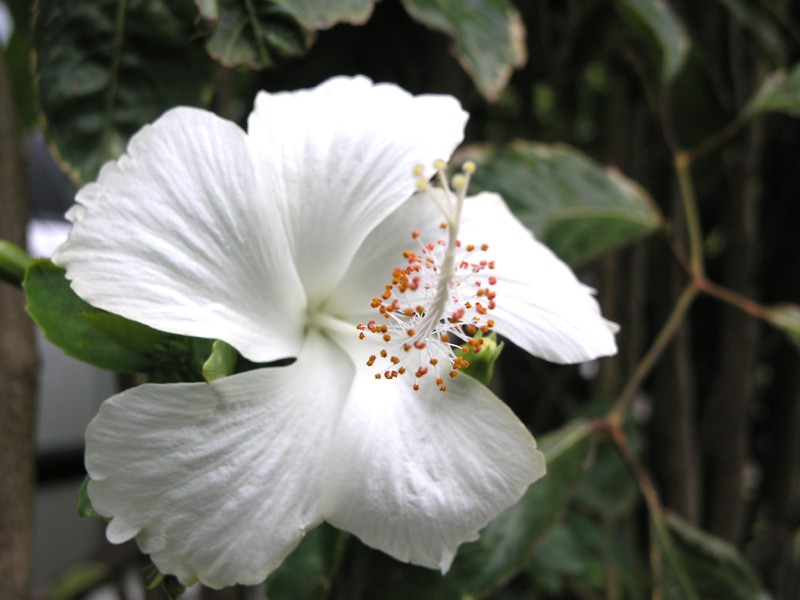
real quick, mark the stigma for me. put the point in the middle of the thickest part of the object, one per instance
(436, 307)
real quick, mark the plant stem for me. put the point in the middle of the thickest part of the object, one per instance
(654, 353)
(682, 163)
(664, 544)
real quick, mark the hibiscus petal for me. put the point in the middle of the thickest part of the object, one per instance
(415, 474)
(339, 158)
(179, 235)
(220, 481)
(541, 305)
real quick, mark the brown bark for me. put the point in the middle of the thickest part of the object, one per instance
(726, 416)
(17, 374)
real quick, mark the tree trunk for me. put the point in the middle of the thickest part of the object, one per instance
(18, 364)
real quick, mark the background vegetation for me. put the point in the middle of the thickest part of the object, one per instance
(652, 144)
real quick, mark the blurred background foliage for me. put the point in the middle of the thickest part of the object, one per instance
(652, 143)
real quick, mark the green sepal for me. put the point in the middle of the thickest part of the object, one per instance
(85, 508)
(221, 362)
(13, 263)
(481, 364)
(173, 588)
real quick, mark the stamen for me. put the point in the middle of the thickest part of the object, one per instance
(439, 299)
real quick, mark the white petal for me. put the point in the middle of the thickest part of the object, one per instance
(541, 305)
(415, 474)
(179, 235)
(382, 251)
(219, 482)
(339, 157)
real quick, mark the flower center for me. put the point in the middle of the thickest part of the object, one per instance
(434, 311)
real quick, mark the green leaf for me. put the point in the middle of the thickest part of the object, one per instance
(308, 573)
(489, 37)
(715, 567)
(780, 92)
(107, 67)
(13, 262)
(752, 17)
(787, 318)
(221, 363)
(135, 336)
(655, 22)
(257, 34)
(575, 206)
(61, 314)
(314, 15)
(506, 543)
(595, 553)
(608, 489)
(80, 581)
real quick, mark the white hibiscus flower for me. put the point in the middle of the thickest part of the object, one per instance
(296, 239)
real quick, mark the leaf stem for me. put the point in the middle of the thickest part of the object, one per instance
(711, 142)
(655, 351)
(689, 200)
(729, 296)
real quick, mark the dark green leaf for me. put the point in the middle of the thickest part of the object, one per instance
(107, 67)
(309, 571)
(752, 17)
(314, 15)
(508, 541)
(221, 363)
(654, 21)
(607, 490)
(13, 262)
(61, 314)
(489, 37)
(134, 336)
(715, 567)
(575, 206)
(256, 34)
(779, 93)
(583, 551)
